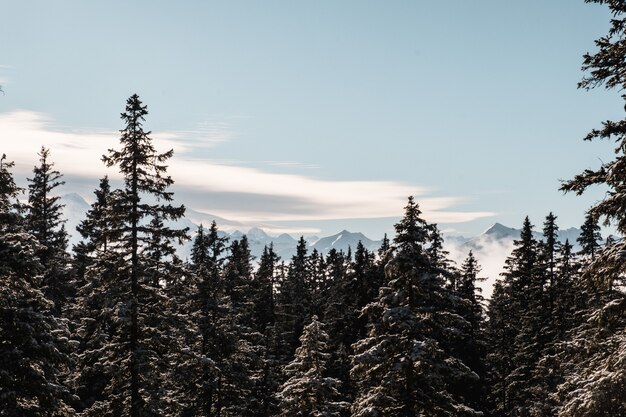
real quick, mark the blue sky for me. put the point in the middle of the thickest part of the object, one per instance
(318, 116)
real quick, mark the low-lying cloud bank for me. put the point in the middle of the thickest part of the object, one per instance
(229, 190)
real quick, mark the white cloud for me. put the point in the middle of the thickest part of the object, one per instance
(489, 252)
(297, 197)
(292, 164)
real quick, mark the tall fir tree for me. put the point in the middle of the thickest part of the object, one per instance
(242, 368)
(295, 301)
(405, 365)
(595, 367)
(94, 231)
(46, 223)
(264, 298)
(199, 373)
(93, 266)
(511, 320)
(474, 346)
(32, 339)
(133, 357)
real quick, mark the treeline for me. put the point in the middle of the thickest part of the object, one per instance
(120, 326)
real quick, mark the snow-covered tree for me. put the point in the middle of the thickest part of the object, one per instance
(207, 337)
(308, 392)
(595, 371)
(45, 222)
(473, 346)
(294, 301)
(405, 366)
(32, 340)
(513, 325)
(135, 315)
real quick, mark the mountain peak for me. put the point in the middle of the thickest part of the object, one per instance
(498, 230)
(256, 233)
(75, 198)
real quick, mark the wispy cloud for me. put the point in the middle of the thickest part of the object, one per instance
(205, 134)
(292, 164)
(233, 191)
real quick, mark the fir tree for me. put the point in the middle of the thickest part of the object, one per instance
(265, 316)
(243, 366)
(94, 230)
(405, 365)
(473, 349)
(45, 222)
(265, 282)
(200, 373)
(295, 299)
(589, 237)
(138, 314)
(32, 340)
(307, 391)
(512, 326)
(93, 266)
(594, 381)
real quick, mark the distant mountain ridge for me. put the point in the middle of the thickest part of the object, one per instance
(496, 242)
(284, 244)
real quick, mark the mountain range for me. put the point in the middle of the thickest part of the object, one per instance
(491, 247)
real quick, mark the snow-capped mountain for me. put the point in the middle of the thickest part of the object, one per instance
(491, 247)
(284, 244)
(343, 241)
(506, 235)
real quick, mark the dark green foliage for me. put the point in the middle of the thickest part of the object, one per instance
(32, 340)
(44, 221)
(243, 366)
(129, 305)
(473, 347)
(590, 237)
(264, 284)
(512, 319)
(208, 336)
(405, 366)
(295, 300)
(593, 358)
(264, 299)
(307, 390)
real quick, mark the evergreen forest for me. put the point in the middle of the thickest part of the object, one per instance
(120, 325)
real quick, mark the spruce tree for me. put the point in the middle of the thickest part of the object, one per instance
(137, 326)
(308, 392)
(590, 237)
(295, 301)
(264, 298)
(405, 366)
(45, 222)
(199, 373)
(94, 265)
(473, 349)
(512, 328)
(32, 339)
(94, 231)
(595, 368)
(264, 283)
(242, 366)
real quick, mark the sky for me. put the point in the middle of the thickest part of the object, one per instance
(313, 117)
